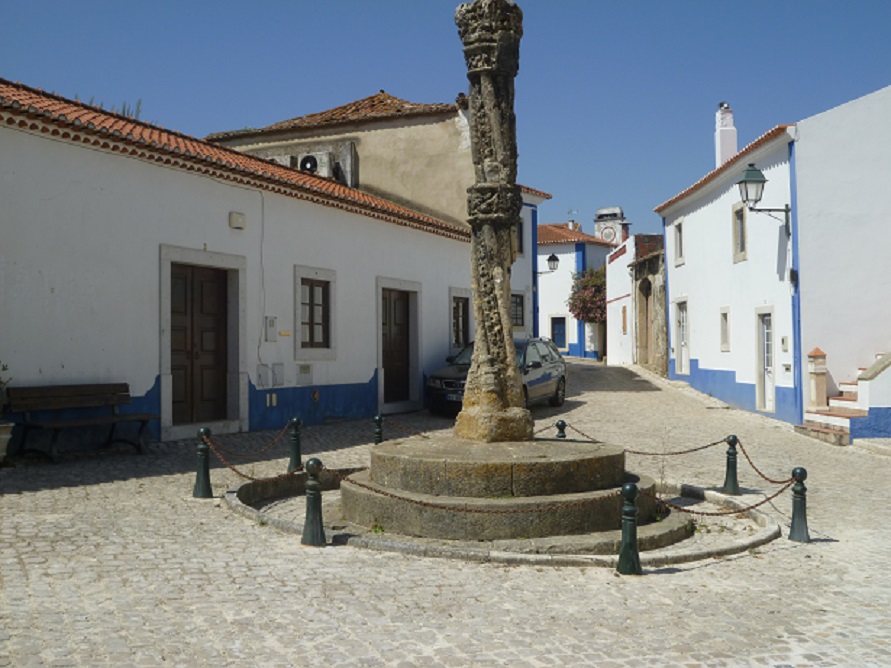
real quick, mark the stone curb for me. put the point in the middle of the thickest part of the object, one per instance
(769, 530)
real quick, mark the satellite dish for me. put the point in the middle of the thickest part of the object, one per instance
(608, 233)
(308, 163)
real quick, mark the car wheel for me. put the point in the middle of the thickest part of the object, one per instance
(559, 394)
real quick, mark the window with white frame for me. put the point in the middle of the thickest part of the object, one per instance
(740, 242)
(518, 310)
(460, 321)
(679, 242)
(314, 313)
(725, 329)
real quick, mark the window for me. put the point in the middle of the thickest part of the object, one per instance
(679, 242)
(739, 232)
(518, 230)
(725, 329)
(517, 310)
(460, 321)
(315, 294)
(314, 314)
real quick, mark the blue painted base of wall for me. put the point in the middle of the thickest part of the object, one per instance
(875, 425)
(575, 350)
(723, 385)
(313, 404)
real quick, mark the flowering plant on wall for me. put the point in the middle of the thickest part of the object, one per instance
(587, 301)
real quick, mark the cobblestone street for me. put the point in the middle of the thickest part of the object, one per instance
(108, 561)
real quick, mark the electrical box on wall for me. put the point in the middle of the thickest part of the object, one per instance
(271, 324)
(236, 220)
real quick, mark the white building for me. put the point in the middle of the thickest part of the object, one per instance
(228, 291)
(576, 252)
(750, 296)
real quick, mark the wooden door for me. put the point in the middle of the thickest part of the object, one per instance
(395, 345)
(198, 343)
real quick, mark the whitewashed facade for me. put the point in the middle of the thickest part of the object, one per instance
(749, 299)
(97, 220)
(576, 252)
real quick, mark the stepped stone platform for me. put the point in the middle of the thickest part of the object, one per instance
(447, 488)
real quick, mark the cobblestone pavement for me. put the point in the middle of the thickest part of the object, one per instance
(108, 561)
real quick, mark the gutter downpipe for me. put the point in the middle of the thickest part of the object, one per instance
(796, 289)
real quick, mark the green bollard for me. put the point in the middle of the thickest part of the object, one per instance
(296, 462)
(202, 479)
(629, 558)
(378, 429)
(798, 531)
(731, 485)
(561, 429)
(313, 530)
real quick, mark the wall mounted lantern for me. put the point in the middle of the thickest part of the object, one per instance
(553, 262)
(751, 188)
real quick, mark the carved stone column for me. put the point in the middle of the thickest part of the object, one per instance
(493, 407)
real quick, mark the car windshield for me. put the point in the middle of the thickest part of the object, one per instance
(466, 354)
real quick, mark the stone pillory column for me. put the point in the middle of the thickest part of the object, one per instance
(493, 408)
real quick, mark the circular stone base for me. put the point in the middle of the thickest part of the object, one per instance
(445, 466)
(448, 488)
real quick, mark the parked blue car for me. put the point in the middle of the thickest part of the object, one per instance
(541, 366)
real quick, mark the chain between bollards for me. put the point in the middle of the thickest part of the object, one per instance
(731, 484)
(798, 531)
(629, 557)
(313, 527)
(202, 488)
(296, 462)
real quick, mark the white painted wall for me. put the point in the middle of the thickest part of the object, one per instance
(844, 170)
(80, 267)
(619, 286)
(709, 280)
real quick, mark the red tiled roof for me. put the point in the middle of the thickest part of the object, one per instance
(561, 233)
(378, 106)
(766, 138)
(533, 191)
(38, 111)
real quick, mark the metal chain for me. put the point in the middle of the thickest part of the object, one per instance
(213, 448)
(775, 482)
(478, 511)
(254, 453)
(718, 513)
(678, 452)
(580, 432)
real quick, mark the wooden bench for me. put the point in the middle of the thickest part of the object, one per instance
(55, 398)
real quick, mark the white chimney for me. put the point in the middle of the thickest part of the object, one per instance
(725, 135)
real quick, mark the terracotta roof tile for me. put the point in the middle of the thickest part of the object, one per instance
(562, 233)
(733, 162)
(378, 106)
(28, 108)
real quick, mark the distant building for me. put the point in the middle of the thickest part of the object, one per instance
(635, 316)
(576, 251)
(758, 298)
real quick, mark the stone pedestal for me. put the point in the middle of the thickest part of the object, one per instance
(461, 490)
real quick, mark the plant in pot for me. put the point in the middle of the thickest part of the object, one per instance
(5, 425)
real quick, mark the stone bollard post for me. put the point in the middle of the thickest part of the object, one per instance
(731, 485)
(313, 528)
(378, 429)
(202, 478)
(798, 531)
(561, 429)
(296, 461)
(629, 558)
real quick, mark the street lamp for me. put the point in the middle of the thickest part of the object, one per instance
(751, 188)
(553, 262)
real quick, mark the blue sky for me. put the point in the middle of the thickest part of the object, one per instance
(615, 103)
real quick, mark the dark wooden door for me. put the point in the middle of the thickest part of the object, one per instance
(198, 343)
(395, 342)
